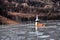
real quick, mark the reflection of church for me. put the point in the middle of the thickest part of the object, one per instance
(37, 24)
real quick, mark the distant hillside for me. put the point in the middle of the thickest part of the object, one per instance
(26, 10)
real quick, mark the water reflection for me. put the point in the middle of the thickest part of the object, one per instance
(20, 32)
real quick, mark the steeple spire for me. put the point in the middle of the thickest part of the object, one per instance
(37, 18)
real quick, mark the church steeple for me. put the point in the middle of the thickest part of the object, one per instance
(37, 18)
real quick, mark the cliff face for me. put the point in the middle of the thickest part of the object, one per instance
(26, 10)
